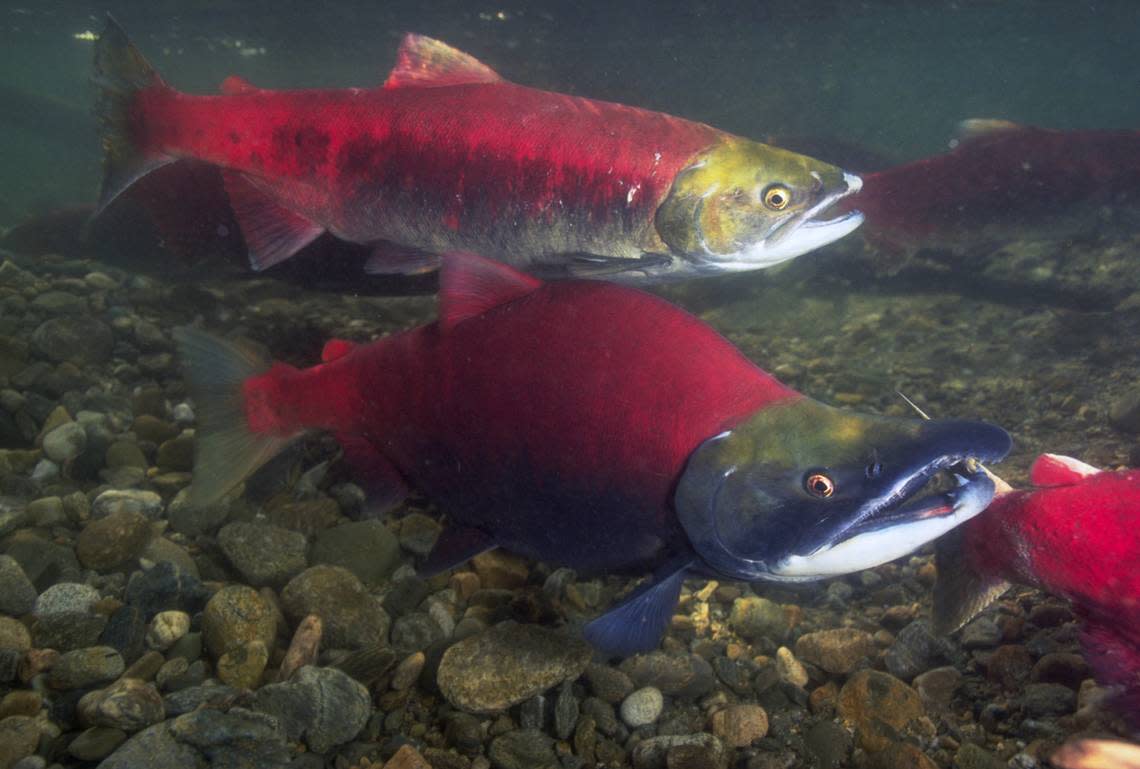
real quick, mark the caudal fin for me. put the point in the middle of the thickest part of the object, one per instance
(121, 73)
(226, 449)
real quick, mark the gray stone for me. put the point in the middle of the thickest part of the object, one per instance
(653, 752)
(1124, 413)
(208, 695)
(80, 668)
(916, 650)
(128, 704)
(684, 676)
(322, 706)
(60, 303)
(610, 684)
(366, 548)
(154, 747)
(352, 617)
(146, 503)
(194, 520)
(66, 598)
(508, 664)
(124, 632)
(642, 707)
(46, 512)
(65, 442)
(45, 563)
(14, 635)
(79, 339)
(17, 593)
(566, 711)
(523, 749)
(415, 632)
(165, 586)
(1048, 700)
(237, 739)
(96, 743)
(13, 515)
(982, 633)
(264, 555)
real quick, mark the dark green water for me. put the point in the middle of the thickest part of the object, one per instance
(894, 77)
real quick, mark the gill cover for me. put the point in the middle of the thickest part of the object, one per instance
(793, 488)
(742, 201)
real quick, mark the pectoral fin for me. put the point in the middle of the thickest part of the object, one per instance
(961, 593)
(638, 622)
(272, 232)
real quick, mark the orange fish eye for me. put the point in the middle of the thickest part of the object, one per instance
(777, 197)
(819, 485)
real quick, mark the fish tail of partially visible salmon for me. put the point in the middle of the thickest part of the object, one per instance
(121, 74)
(238, 429)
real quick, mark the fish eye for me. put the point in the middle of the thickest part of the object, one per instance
(777, 197)
(819, 485)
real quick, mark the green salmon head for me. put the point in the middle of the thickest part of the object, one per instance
(804, 491)
(742, 205)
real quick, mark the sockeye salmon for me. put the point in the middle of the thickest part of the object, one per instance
(1003, 181)
(592, 425)
(1075, 534)
(447, 155)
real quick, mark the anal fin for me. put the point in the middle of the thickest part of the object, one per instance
(272, 232)
(640, 620)
(455, 545)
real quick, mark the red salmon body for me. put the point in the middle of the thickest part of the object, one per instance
(448, 156)
(588, 426)
(1077, 535)
(1003, 181)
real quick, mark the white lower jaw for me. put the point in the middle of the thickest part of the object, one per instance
(807, 237)
(874, 548)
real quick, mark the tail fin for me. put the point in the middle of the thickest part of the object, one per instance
(121, 72)
(226, 450)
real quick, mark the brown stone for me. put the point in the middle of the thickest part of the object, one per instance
(235, 615)
(879, 706)
(407, 757)
(111, 541)
(243, 666)
(304, 647)
(500, 569)
(740, 725)
(19, 736)
(128, 704)
(1009, 666)
(900, 755)
(22, 702)
(838, 651)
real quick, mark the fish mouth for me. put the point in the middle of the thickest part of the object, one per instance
(940, 496)
(798, 234)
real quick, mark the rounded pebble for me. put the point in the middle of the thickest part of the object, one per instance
(642, 707)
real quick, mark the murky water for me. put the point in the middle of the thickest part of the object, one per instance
(1032, 324)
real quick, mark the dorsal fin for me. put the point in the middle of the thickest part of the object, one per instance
(336, 348)
(1059, 470)
(428, 63)
(234, 85)
(980, 126)
(470, 285)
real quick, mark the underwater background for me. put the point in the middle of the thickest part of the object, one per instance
(105, 630)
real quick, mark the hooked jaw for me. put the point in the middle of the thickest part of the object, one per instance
(804, 491)
(882, 537)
